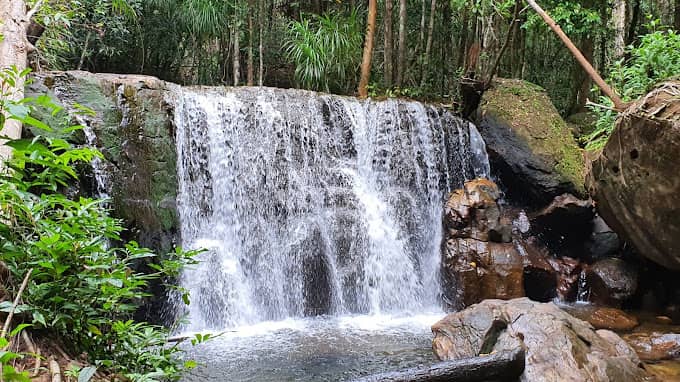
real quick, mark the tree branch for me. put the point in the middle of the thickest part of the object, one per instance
(34, 10)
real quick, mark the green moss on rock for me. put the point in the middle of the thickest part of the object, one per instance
(527, 110)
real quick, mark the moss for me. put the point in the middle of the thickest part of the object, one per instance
(535, 120)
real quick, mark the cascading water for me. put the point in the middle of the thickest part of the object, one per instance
(314, 204)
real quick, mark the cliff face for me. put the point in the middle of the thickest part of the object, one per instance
(131, 123)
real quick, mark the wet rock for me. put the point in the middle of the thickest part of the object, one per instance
(635, 179)
(655, 346)
(547, 276)
(612, 319)
(611, 281)
(134, 130)
(565, 224)
(559, 347)
(529, 144)
(602, 242)
(478, 259)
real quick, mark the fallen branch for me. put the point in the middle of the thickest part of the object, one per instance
(618, 103)
(8, 321)
(506, 365)
(55, 371)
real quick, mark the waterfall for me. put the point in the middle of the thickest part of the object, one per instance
(314, 204)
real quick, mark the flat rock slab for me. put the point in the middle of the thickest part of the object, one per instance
(559, 347)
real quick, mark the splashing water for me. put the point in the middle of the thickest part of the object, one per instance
(314, 204)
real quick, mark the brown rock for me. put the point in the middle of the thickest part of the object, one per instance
(478, 259)
(635, 180)
(558, 346)
(612, 319)
(655, 346)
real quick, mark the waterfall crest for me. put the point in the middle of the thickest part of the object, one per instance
(314, 204)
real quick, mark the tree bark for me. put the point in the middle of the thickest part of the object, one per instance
(634, 21)
(428, 45)
(676, 16)
(618, 24)
(368, 49)
(505, 366)
(260, 49)
(14, 48)
(389, 59)
(237, 53)
(250, 75)
(401, 53)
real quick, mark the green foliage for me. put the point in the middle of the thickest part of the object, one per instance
(83, 289)
(326, 50)
(656, 58)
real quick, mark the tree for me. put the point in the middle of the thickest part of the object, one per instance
(388, 44)
(368, 48)
(428, 45)
(14, 49)
(401, 50)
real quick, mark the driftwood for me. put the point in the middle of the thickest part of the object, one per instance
(502, 366)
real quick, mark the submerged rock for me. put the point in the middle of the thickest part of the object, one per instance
(559, 347)
(529, 144)
(635, 180)
(655, 346)
(603, 317)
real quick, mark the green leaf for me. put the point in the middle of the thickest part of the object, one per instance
(18, 329)
(39, 318)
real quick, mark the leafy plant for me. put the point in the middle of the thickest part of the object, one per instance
(326, 50)
(84, 289)
(656, 58)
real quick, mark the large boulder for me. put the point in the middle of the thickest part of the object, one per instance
(529, 144)
(132, 126)
(479, 260)
(635, 179)
(558, 346)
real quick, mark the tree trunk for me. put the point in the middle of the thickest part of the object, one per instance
(582, 83)
(368, 49)
(237, 52)
(618, 25)
(401, 53)
(251, 67)
(260, 21)
(421, 36)
(463, 40)
(676, 16)
(388, 44)
(428, 46)
(14, 49)
(634, 20)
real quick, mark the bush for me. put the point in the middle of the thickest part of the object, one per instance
(656, 58)
(83, 289)
(326, 51)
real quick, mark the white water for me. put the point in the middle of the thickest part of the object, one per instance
(314, 204)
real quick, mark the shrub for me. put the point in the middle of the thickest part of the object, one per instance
(83, 289)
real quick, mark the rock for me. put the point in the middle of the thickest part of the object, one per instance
(529, 145)
(478, 259)
(612, 319)
(565, 224)
(635, 179)
(546, 276)
(559, 347)
(602, 242)
(655, 346)
(134, 130)
(611, 281)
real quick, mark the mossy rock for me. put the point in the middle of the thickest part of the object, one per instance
(530, 146)
(135, 132)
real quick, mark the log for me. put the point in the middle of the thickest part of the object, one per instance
(501, 366)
